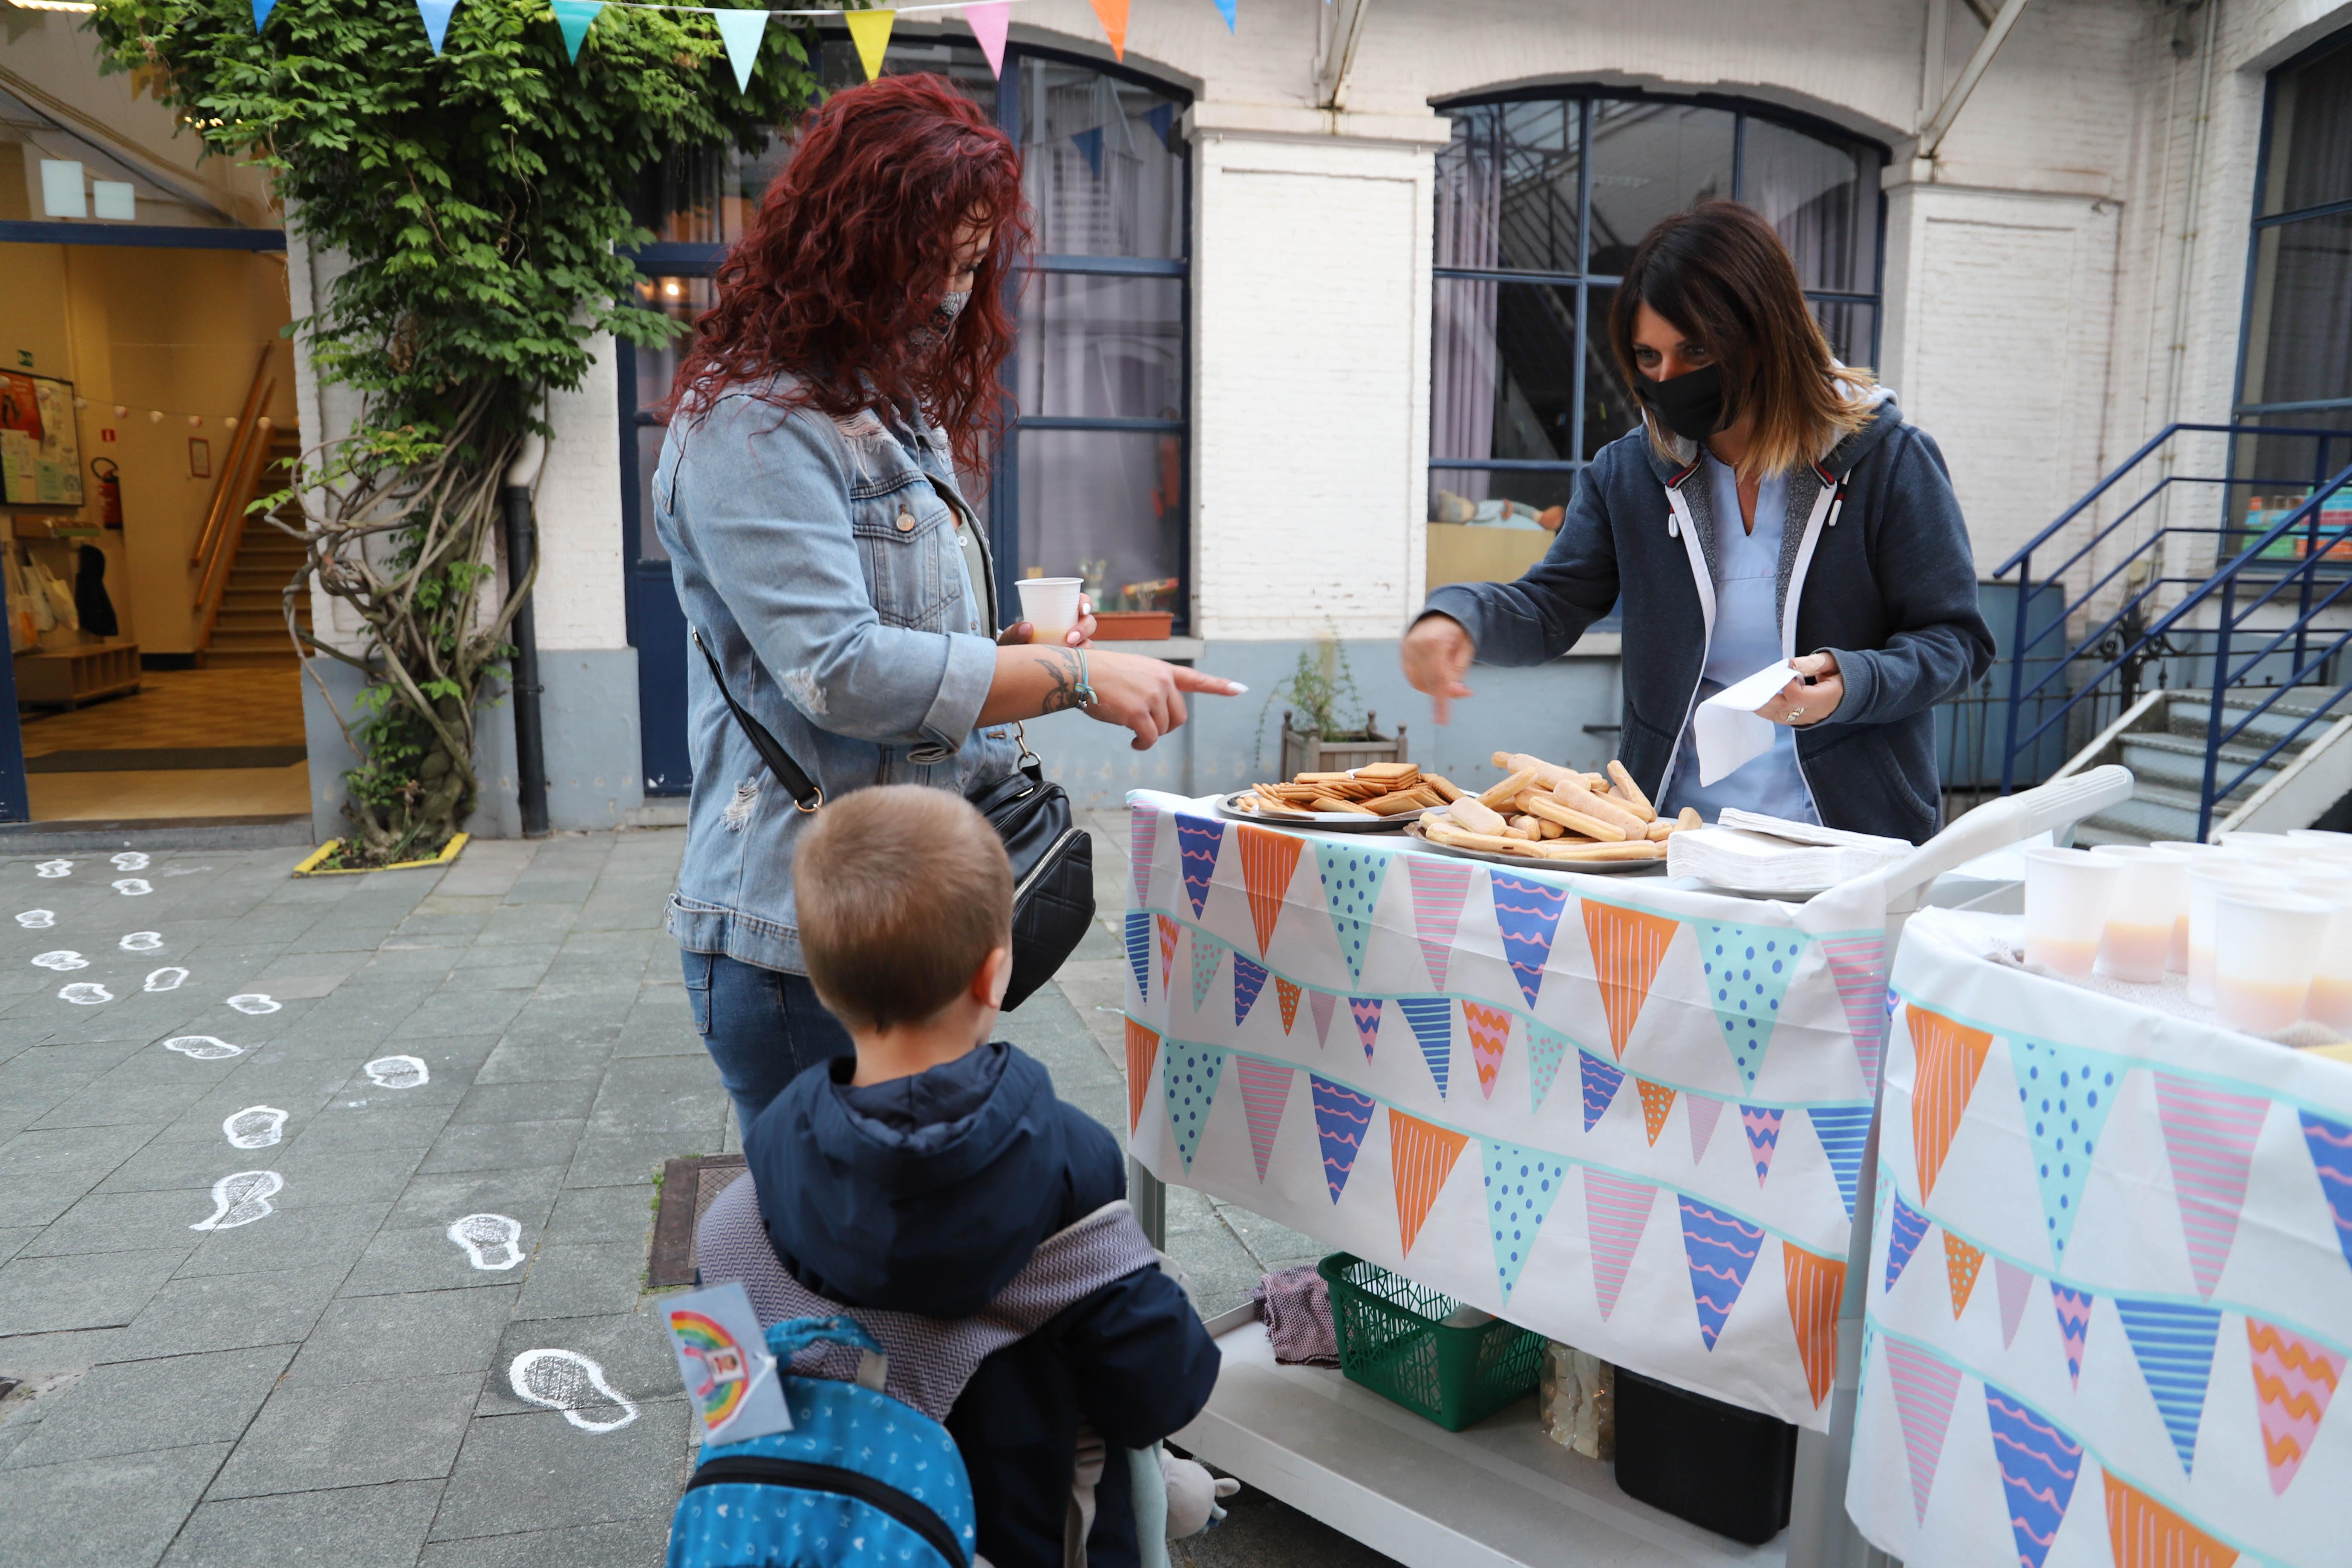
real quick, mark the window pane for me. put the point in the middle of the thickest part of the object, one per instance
(2299, 331)
(1107, 507)
(1823, 198)
(681, 300)
(1649, 160)
(2278, 473)
(2311, 135)
(1102, 347)
(1103, 160)
(1500, 498)
(1610, 409)
(1850, 329)
(1504, 382)
(1507, 187)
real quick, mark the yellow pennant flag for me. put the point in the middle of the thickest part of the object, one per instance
(870, 31)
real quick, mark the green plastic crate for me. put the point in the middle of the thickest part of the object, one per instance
(1394, 1338)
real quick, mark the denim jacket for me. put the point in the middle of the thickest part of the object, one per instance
(819, 559)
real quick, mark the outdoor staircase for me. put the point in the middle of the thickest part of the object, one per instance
(249, 630)
(2163, 741)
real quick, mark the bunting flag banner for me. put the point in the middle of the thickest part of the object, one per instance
(2173, 1343)
(1227, 8)
(2039, 1466)
(1207, 954)
(1142, 1050)
(1858, 967)
(1286, 993)
(741, 32)
(1432, 1018)
(1762, 1125)
(2330, 1143)
(1142, 822)
(1925, 1388)
(2073, 1325)
(261, 9)
(1815, 1285)
(575, 18)
(1528, 915)
(1520, 1186)
(990, 20)
(1113, 15)
(1490, 1035)
(1421, 1155)
(1906, 1228)
(1351, 889)
(2210, 1134)
(1198, 839)
(2066, 1093)
(1616, 1212)
(1267, 861)
(1546, 1051)
(1342, 1118)
(1950, 1057)
(1189, 1086)
(1265, 1086)
(1748, 972)
(2295, 1380)
(1600, 1080)
(1249, 979)
(2013, 1285)
(436, 14)
(2144, 1533)
(1844, 1130)
(1167, 949)
(1627, 946)
(1440, 889)
(1323, 1003)
(1657, 1100)
(1703, 1110)
(1138, 950)
(1721, 1251)
(1962, 1263)
(870, 31)
(1365, 1011)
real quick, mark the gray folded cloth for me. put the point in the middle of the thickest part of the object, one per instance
(1295, 1307)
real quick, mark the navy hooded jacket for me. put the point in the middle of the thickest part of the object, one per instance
(926, 1195)
(1874, 561)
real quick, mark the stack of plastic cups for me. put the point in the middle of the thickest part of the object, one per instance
(2149, 904)
(2195, 853)
(2330, 1000)
(2321, 838)
(2242, 841)
(2208, 880)
(2267, 951)
(2067, 893)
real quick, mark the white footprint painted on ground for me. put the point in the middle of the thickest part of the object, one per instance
(569, 1381)
(140, 941)
(243, 1198)
(37, 919)
(397, 1072)
(255, 1127)
(88, 994)
(203, 1047)
(131, 860)
(254, 1002)
(491, 1241)
(132, 887)
(167, 979)
(53, 869)
(62, 960)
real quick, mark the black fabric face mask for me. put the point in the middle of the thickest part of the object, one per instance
(1690, 405)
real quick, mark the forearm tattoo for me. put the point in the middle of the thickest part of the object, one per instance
(1064, 688)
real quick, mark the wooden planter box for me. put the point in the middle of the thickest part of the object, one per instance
(1306, 754)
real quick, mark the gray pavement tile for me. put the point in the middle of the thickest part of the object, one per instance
(540, 1472)
(382, 1122)
(351, 1527)
(513, 1062)
(318, 1179)
(611, 978)
(429, 965)
(109, 1102)
(506, 1103)
(626, 1162)
(1219, 1265)
(604, 1214)
(422, 1258)
(432, 1200)
(349, 1434)
(1274, 1245)
(128, 1222)
(332, 1238)
(45, 1295)
(130, 1407)
(631, 1347)
(526, 924)
(183, 1165)
(228, 1311)
(507, 955)
(658, 1094)
(519, 977)
(366, 1338)
(120, 1512)
(35, 1353)
(13, 1239)
(481, 1147)
(461, 1009)
(624, 1543)
(570, 1279)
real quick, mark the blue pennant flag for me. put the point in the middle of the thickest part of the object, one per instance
(1228, 7)
(740, 31)
(261, 9)
(2173, 1343)
(1906, 1229)
(1601, 1080)
(1249, 979)
(1749, 968)
(575, 18)
(1138, 950)
(1842, 1129)
(436, 19)
(1520, 1186)
(1432, 1018)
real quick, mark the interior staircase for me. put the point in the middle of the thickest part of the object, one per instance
(249, 630)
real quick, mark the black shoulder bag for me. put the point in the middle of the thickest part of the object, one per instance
(1053, 858)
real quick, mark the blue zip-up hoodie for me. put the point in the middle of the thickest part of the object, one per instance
(926, 1195)
(1875, 567)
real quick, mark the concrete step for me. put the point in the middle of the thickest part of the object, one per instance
(2189, 713)
(2179, 761)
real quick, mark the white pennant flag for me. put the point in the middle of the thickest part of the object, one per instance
(741, 30)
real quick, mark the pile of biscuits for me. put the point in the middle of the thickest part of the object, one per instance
(1546, 811)
(1377, 789)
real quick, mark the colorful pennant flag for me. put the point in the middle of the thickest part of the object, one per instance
(1188, 1084)
(1962, 1263)
(1440, 889)
(1950, 1055)
(1286, 993)
(1198, 839)
(1322, 1004)
(1747, 969)
(870, 31)
(1925, 1387)
(1546, 1051)
(1265, 1087)
(1703, 1110)
(436, 14)
(1432, 1018)
(1249, 979)
(575, 18)
(1207, 954)
(1906, 1227)
(1657, 1100)
(1113, 15)
(741, 32)
(1365, 1011)
(1616, 1212)
(1421, 1155)
(2073, 1325)
(1816, 1285)
(2210, 1134)
(1142, 1050)
(1521, 1184)
(1721, 1250)
(990, 20)
(1601, 1080)
(2067, 1092)
(1167, 949)
(1627, 946)
(2330, 1143)
(1490, 1035)
(1138, 951)
(1267, 861)
(1352, 891)
(2295, 1380)
(1142, 822)
(2173, 1343)
(1528, 915)
(1342, 1117)
(2144, 1533)
(261, 9)
(2039, 1466)
(1858, 969)
(1227, 8)
(1844, 1130)
(2013, 1285)
(1762, 1125)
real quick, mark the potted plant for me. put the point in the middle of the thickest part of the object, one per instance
(1318, 735)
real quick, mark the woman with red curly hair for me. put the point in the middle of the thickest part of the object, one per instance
(822, 547)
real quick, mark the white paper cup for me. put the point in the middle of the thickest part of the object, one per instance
(1050, 605)
(2208, 880)
(2067, 897)
(2268, 949)
(2193, 852)
(2149, 904)
(2321, 837)
(2330, 999)
(2248, 840)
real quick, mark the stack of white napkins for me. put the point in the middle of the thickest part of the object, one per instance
(1757, 854)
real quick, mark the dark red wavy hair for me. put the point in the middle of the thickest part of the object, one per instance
(839, 274)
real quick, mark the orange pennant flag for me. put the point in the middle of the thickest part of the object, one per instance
(1656, 1100)
(1962, 1263)
(1423, 1156)
(870, 31)
(2144, 1533)
(1490, 1032)
(1950, 1057)
(1289, 991)
(1167, 929)
(1142, 1051)
(1113, 13)
(1267, 861)
(1816, 1287)
(1627, 946)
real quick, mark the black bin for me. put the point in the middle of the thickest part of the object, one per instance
(1721, 1468)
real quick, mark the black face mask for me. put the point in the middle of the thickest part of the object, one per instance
(1690, 405)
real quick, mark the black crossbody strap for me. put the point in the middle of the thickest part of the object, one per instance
(804, 791)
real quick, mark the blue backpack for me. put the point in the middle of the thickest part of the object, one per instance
(860, 1479)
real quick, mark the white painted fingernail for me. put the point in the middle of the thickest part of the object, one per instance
(131, 860)
(61, 960)
(165, 979)
(1239, 689)
(256, 1003)
(241, 1199)
(569, 1381)
(491, 1241)
(141, 941)
(397, 1072)
(203, 1047)
(53, 869)
(86, 993)
(255, 1127)
(37, 919)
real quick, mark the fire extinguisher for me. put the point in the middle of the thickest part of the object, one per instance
(109, 491)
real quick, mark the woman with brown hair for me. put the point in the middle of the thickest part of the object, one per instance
(1772, 500)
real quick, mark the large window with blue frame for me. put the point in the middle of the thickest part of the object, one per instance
(1541, 197)
(1091, 480)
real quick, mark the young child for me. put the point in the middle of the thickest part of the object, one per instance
(921, 1174)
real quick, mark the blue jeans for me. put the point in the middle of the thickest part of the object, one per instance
(762, 1026)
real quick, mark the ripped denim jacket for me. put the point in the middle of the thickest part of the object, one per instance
(821, 561)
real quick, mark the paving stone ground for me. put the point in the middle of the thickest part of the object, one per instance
(334, 1380)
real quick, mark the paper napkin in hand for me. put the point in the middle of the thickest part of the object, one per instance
(1730, 733)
